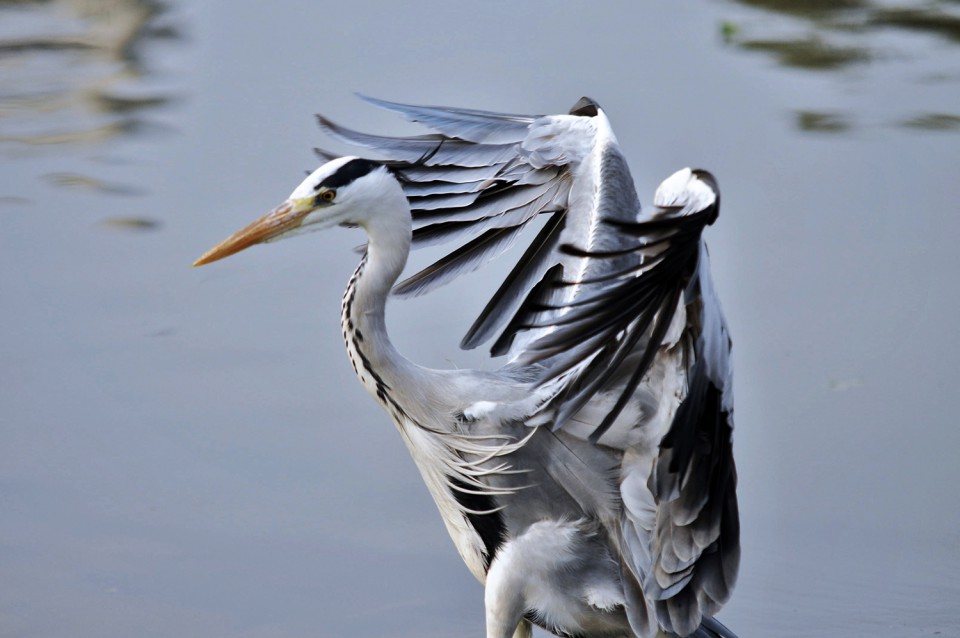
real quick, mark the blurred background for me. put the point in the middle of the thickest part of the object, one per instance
(187, 453)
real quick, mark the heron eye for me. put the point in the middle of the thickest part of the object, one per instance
(328, 195)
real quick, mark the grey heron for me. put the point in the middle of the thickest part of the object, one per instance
(589, 482)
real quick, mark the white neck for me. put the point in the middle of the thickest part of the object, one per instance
(379, 365)
(404, 388)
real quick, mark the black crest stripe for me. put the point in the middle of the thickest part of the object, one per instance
(347, 173)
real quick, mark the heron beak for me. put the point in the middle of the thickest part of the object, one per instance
(285, 217)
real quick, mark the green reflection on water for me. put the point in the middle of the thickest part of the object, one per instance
(76, 180)
(131, 224)
(822, 122)
(828, 18)
(930, 20)
(809, 53)
(935, 122)
(882, 42)
(74, 70)
(807, 8)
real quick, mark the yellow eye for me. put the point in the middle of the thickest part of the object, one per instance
(328, 195)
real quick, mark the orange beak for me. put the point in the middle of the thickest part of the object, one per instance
(283, 218)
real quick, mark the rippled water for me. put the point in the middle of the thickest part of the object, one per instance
(185, 452)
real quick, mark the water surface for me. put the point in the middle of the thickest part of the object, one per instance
(186, 452)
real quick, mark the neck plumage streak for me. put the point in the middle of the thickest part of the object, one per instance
(353, 337)
(442, 457)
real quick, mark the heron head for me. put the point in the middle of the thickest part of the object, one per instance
(347, 191)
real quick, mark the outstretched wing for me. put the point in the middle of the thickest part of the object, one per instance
(616, 311)
(483, 178)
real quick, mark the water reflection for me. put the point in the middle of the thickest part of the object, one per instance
(135, 224)
(822, 122)
(73, 70)
(935, 122)
(815, 9)
(831, 19)
(849, 38)
(929, 20)
(812, 52)
(859, 15)
(75, 180)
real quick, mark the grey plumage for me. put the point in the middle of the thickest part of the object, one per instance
(623, 327)
(590, 481)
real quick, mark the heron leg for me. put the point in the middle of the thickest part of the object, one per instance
(504, 602)
(524, 630)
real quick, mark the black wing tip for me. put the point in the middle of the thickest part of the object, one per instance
(324, 154)
(710, 180)
(585, 107)
(489, 319)
(710, 627)
(326, 123)
(707, 177)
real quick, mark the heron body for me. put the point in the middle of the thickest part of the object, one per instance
(589, 482)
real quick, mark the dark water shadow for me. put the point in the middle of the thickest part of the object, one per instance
(925, 20)
(812, 53)
(822, 122)
(934, 122)
(813, 9)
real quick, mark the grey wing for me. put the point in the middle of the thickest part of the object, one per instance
(615, 312)
(481, 179)
(642, 360)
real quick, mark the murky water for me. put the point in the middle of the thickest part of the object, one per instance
(186, 452)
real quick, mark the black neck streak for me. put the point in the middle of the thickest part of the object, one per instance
(489, 526)
(353, 338)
